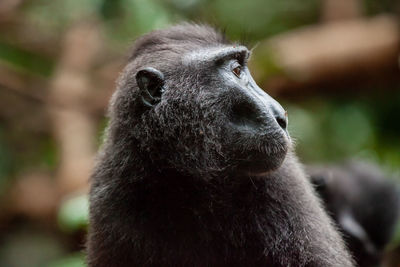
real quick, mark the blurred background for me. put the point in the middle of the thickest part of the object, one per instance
(333, 64)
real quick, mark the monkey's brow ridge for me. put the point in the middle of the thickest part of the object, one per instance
(217, 54)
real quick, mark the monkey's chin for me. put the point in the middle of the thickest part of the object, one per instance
(262, 154)
(258, 163)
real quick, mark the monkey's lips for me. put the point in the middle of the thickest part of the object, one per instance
(261, 163)
(257, 148)
(265, 157)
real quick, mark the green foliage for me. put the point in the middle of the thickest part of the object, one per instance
(333, 129)
(263, 60)
(74, 260)
(262, 18)
(26, 61)
(28, 246)
(74, 213)
(50, 16)
(101, 132)
(111, 9)
(350, 128)
(30, 151)
(49, 154)
(130, 18)
(5, 163)
(374, 7)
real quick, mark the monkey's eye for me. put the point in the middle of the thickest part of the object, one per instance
(237, 71)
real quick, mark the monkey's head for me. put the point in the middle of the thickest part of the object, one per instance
(189, 102)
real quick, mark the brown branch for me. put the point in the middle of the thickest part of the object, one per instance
(36, 99)
(74, 128)
(329, 52)
(336, 10)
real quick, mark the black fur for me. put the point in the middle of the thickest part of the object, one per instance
(364, 204)
(205, 175)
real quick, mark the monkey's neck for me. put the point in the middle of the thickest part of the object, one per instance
(215, 219)
(187, 203)
(186, 206)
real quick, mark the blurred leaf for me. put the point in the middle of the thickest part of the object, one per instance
(350, 128)
(262, 18)
(102, 127)
(304, 129)
(111, 9)
(264, 61)
(5, 163)
(74, 213)
(185, 4)
(374, 7)
(137, 17)
(328, 129)
(148, 15)
(25, 61)
(75, 260)
(29, 246)
(49, 153)
(55, 16)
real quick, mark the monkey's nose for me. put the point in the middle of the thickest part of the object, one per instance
(282, 120)
(281, 116)
(275, 109)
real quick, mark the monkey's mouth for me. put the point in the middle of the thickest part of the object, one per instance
(258, 138)
(260, 154)
(265, 160)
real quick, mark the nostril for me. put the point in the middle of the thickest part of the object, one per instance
(282, 121)
(280, 114)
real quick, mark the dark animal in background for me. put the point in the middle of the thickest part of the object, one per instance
(197, 168)
(363, 202)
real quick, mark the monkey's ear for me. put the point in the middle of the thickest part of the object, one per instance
(151, 85)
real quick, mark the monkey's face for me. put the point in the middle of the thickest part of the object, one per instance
(207, 114)
(253, 125)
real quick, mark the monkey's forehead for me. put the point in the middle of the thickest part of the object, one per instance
(212, 54)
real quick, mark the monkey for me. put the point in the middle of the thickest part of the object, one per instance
(197, 167)
(363, 203)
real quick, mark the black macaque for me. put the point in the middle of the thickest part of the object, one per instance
(364, 204)
(197, 167)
